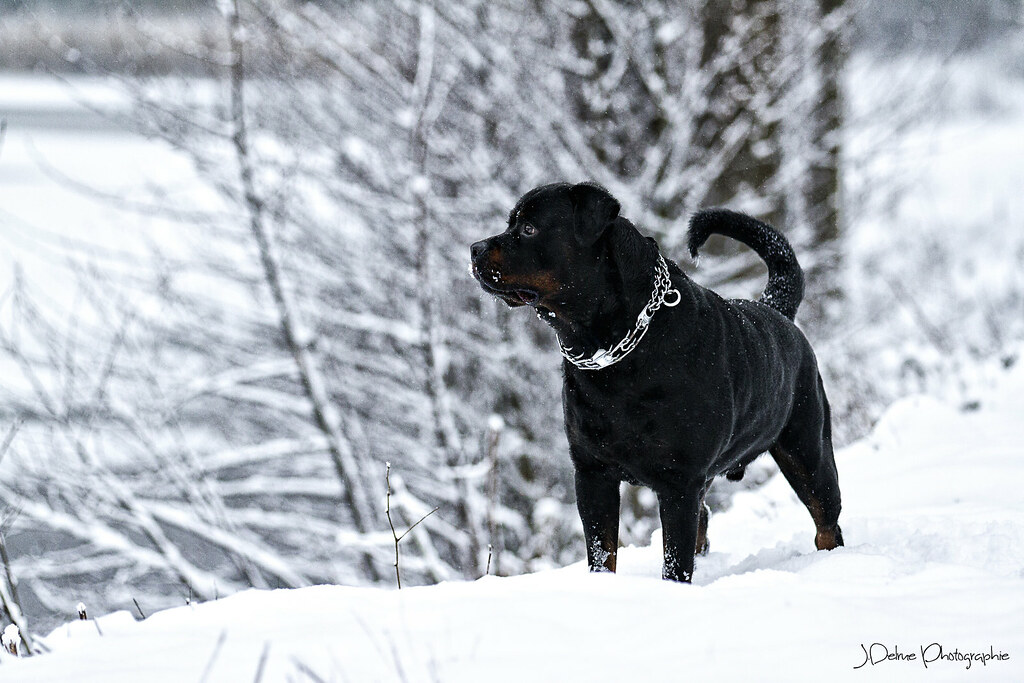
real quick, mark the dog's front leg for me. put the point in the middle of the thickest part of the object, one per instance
(680, 515)
(597, 498)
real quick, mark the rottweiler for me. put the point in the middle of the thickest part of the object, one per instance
(666, 384)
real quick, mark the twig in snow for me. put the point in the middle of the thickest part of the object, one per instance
(396, 658)
(11, 639)
(9, 573)
(83, 615)
(213, 656)
(387, 511)
(261, 665)
(304, 668)
(141, 613)
(495, 425)
(9, 600)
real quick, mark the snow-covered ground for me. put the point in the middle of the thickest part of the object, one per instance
(934, 562)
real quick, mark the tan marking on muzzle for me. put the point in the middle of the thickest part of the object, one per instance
(542, 283)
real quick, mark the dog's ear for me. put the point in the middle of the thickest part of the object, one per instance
(593, 210)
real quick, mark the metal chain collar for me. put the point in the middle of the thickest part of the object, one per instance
(664, 295)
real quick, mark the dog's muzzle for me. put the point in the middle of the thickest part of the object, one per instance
(490, 278)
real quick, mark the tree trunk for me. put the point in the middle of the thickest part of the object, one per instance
(756, 164)
(822, 190)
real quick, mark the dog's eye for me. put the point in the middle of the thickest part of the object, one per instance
(528, 230)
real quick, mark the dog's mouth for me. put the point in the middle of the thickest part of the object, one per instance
(513, 296)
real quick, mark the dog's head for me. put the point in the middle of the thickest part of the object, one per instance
(550, 250)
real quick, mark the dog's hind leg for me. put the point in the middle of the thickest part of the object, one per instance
(703, 546)
(804, 455)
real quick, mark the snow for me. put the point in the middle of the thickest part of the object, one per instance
(495, 423)
(69, 195)
(419, 185)
(30, 92)
(934, 559)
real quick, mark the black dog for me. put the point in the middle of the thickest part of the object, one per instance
(666, 384)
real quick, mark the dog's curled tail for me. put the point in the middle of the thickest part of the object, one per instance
(785, 286)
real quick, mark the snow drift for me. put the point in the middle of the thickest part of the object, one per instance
(930, 587)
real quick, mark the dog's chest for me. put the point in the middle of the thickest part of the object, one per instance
(615, 420)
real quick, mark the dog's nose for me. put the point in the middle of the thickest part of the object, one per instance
(478, 248)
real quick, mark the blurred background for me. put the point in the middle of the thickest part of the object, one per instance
(234, 243)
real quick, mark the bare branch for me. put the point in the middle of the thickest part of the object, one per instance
(296, 335)
(387, 512)
(9, 439)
